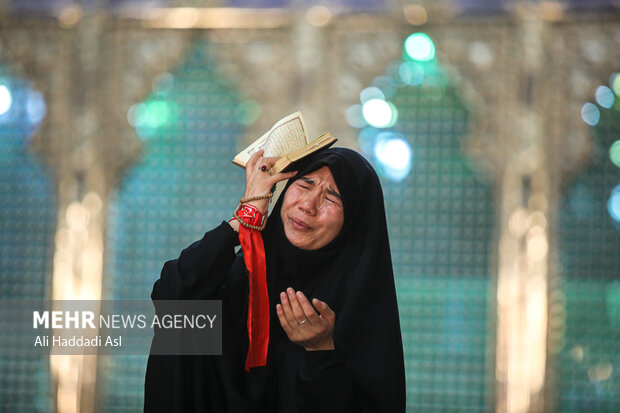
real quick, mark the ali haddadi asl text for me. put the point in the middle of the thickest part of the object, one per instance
(75, 341)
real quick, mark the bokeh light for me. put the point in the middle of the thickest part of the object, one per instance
(420, 47)
(614, 82)
(35, 107)
(149, 116)
(366, 139)
(590, 114)
(613, 204)
(604, 97)
(6, 99)
(415, 14)
(318, 16)
(379, 113)
(614, 153)
(411, 73)
(386, 84)
(370, 93)
(355, 117)
(394, 156)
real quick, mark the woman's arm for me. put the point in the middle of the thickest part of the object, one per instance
(201, 268)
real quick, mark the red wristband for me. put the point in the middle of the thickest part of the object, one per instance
(250, 214)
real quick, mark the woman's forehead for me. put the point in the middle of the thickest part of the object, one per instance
(322, 175)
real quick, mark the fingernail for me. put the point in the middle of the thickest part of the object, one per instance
(283, 294)
(290, 290)
(299, 294)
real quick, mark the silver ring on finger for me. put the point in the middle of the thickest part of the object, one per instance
(300, 324)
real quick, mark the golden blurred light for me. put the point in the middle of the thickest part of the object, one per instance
(600, 372)
(518, 222)
(214, 18)
(69, 16)
(507, 291)
(416, 14)
(78, 238)
(92, 264)
(62, 238)
(537, 246)
(480, 54)
(537, 218)
(538, 201)
(77, 216)
(551, 11)
(69, 374)
(182, 18)
(576, 354)
(92, 202)
(318, 16)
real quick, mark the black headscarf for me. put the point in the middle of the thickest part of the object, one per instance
(352, 274)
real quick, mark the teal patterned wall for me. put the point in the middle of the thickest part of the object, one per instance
(589, 362)
(27, 225)
(441, 215)
(183, 185)
(441, 224)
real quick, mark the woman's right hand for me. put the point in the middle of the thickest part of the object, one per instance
(258, 182)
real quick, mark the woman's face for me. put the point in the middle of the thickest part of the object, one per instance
(312, 210)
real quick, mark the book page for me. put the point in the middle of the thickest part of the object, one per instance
(288, 135)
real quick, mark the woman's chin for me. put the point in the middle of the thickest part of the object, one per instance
(295, 239)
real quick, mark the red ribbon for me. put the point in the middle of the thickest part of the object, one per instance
(258, 307)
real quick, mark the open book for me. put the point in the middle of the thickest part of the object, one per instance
(287, 140)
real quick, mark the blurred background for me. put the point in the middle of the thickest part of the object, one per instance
(494, 125)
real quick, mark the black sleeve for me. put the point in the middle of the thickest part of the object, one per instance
(201, 268)
(324, 384)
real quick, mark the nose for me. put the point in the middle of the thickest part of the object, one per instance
(309, 203)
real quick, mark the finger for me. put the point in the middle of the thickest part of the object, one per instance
(297, 311)
(288, 311)
(282, 176)
(254, 158)
(324, 310)
(270, 159)
(307, 308)
(283, 321)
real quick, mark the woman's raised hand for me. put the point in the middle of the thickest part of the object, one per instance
(301, 322)
(259, 182)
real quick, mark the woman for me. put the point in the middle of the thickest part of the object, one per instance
(334, 341)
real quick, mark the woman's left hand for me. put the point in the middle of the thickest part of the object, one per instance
(302, 324)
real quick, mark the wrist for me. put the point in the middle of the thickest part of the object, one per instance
(261, 204)
(234, 224)
(328, 345)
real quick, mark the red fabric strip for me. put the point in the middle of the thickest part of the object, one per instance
(258, 307)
